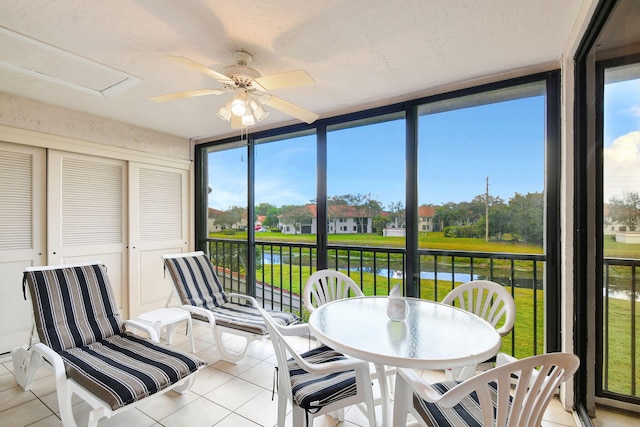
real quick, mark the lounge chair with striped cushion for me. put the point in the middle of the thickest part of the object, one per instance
(488, 398)
(201, 293)
(319, 381)
(84, 341)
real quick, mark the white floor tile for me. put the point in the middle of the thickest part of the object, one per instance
(200, 413)
(234, 393)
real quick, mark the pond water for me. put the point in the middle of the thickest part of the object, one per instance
(444, 276)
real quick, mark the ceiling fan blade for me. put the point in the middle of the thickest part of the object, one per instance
(289, 108)
(281, 80)
(203, 69)
(186, 94)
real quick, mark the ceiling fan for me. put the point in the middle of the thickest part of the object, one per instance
(250, 89)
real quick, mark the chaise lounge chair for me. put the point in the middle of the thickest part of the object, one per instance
(201, 293)
(83, 340)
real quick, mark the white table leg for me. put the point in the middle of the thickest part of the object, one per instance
(170, 330)
(385, 398)
(190, 332)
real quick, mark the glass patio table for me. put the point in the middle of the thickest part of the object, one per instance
(432, 336)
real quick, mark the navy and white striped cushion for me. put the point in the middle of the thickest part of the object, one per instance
(466, 413)
(124, 368)
(312, 391)
(76, 316)
(198, 285)
(73, 306)
(196, 281)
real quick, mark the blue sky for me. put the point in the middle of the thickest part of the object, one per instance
(457, 151)
(621, 138)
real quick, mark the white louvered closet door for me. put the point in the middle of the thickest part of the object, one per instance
(87, 208)
(158, 215)
(22, 225)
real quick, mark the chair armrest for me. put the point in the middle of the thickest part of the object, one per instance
(504, 358)
(201, 312)
(55, 361)
(298, 329)
(135, 324)
(331, 367)
(242, 297)
(417, 384)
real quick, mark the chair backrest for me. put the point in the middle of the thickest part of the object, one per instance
(538, 378)
(325, 286)
(282, 350)
(487, 299)
(73, 304)
(195, 280)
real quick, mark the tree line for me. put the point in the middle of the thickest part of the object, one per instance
(522, 217)
(626, 209)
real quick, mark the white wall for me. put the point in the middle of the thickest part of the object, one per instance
(32, 115)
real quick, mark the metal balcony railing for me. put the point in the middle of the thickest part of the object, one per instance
(282, 268)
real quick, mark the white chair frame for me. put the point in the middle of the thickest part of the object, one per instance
(28, 359)
(363, 399)
(324, 286)
(486, 299)
(218, 330)
(538, 377)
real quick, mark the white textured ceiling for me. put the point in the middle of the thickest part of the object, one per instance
(361, 53)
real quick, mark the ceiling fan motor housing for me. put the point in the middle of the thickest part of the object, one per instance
(241, 73)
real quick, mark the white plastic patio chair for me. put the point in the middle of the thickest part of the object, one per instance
(486, 399)
(201, 293)
(319, 381)
(493, 303)
(84, 342)
(324, 286)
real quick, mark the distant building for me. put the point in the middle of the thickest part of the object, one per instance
(340, 220)
(425, 218)
(212, 214)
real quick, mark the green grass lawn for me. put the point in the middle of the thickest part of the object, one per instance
(430, 240)
(529, 303)
(614, 249)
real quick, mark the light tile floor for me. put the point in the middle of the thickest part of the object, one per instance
(224, 395)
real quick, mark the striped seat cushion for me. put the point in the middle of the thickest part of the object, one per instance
(124, 368)
(76, 315)
(247, 318)
(196, 281)
(312, 391)
(465, 413)
(198, 285)
(73, 306)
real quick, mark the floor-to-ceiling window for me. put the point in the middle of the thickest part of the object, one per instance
(607, 188)
(373, 194)
(225, 184)
(481, 191)
(285, 214)
(619, 352)
(365, 200)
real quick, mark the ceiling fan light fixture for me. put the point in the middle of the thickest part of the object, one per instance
(259, 112)
(248, 119)
(238, 107)
(224, 114)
